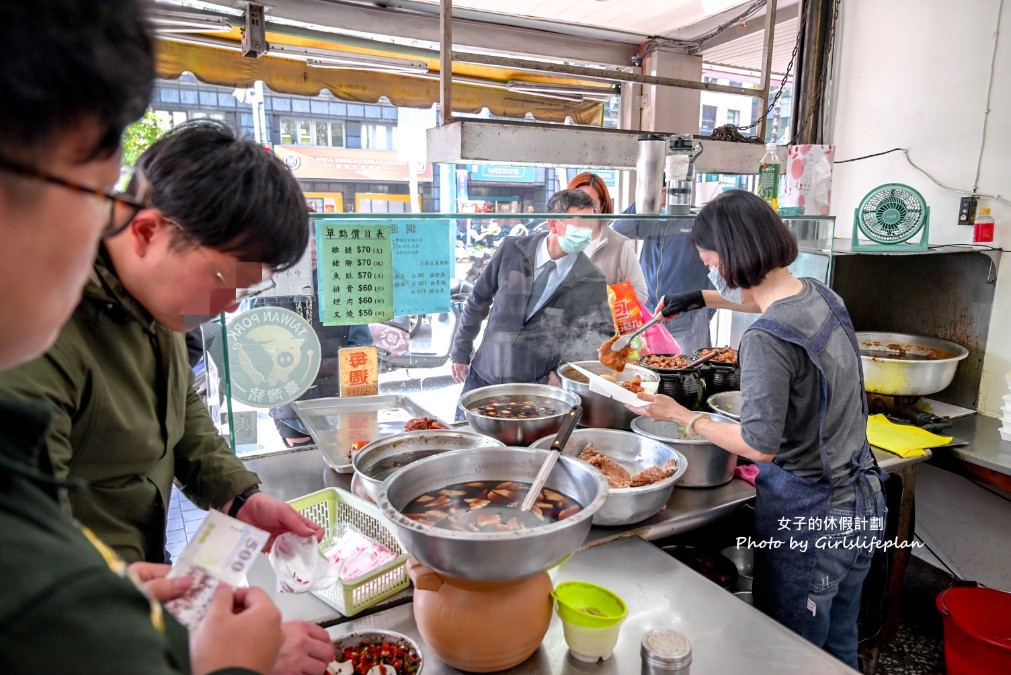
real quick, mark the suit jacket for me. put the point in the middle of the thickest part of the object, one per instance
(569, 326)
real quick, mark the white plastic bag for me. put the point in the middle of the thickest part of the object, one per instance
(809, 179)
(299, 565)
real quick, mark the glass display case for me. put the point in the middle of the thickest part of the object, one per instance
(399, 284)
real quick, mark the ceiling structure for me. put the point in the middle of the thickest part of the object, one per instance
(603, 32)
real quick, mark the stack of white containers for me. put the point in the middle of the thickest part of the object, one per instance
(1005, 431)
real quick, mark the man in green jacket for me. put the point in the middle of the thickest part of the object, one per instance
(76, 73)
(125, 415)
(126, 418)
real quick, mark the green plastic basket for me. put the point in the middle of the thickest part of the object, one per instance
(330, 507)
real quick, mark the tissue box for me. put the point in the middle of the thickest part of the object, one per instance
(808, 179)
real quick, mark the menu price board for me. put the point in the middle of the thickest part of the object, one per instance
(355, 267)
(424, 267)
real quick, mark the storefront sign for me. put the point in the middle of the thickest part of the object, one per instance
(359, 371)
(503, 174)
(345, 164)
(609, 176)
(276, 356)
(355, 273)
(423, 260)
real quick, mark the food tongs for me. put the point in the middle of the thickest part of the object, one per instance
(623, 341)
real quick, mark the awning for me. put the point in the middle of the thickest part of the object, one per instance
(225, 66)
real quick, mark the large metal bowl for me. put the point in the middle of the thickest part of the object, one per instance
(514, 431)
(889, 370)
(727, 403)
(708, 464)
(379, 459)
(491, 556)
(603, 411)
(625, 506)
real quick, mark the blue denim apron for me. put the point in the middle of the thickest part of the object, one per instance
(783, 575)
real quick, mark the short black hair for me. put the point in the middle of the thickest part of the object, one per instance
(563, 200)
(68, 62)
(229, 194)
(746, 233)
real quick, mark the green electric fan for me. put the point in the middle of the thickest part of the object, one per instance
(890, 215)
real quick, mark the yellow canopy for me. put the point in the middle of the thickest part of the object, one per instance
(227, 67)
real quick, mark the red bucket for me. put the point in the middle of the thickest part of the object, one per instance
(977, 630)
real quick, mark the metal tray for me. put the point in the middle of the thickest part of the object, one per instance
(336, 423)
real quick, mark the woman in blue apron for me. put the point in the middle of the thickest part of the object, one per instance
(819, 508)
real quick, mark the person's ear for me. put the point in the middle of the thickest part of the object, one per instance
(144, 228)
(556, 227)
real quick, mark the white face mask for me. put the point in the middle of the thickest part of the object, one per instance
(720, 284)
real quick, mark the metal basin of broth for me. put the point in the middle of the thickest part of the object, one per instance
(898, 353)
(380, 459)
(492, 556)
(898, 364)
(517, 431)
(488, 506)
(517, 407)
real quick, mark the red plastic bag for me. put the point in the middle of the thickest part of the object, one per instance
(658, 339)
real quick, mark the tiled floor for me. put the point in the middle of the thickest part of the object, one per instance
(183, 520)
(918, 647)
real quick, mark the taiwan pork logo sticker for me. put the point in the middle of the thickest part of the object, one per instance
(274, 356)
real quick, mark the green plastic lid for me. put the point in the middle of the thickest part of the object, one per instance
(588, 605)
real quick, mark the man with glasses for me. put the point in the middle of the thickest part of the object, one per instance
(75, 73)
(220, 216)
(544, 301)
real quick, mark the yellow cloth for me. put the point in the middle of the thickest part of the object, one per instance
(902, 439)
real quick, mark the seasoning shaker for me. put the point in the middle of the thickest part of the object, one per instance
(665, 652)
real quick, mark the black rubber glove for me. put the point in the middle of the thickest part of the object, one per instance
(682, 302)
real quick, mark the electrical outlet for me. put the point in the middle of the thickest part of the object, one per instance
(967, 210)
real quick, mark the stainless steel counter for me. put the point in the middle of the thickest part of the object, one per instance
(726, 635)
(295, 474)
(986, 448)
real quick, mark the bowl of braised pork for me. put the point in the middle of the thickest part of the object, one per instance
(641, 472)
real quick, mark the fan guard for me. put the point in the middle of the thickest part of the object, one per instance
(892, 214)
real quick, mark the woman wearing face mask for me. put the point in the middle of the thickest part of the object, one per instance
(819, 511)
(544, 300)
(612, 253)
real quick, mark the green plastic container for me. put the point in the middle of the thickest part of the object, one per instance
(588, 605)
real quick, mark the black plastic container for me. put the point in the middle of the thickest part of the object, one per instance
(719, 376)
(684, 385)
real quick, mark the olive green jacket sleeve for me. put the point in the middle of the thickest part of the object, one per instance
(209, 473)
(127, 421)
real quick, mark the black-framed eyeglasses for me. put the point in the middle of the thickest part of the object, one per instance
(265, 284)
(132, 192)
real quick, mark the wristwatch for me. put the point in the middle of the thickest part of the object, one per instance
(241, 500)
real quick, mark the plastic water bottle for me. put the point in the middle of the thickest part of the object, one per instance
(982, 231)
(768, 177)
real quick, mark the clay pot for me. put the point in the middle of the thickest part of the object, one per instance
(480, 626)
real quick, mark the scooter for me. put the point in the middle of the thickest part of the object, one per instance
(393, 339)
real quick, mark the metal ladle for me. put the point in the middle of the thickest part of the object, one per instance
(561, 438)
